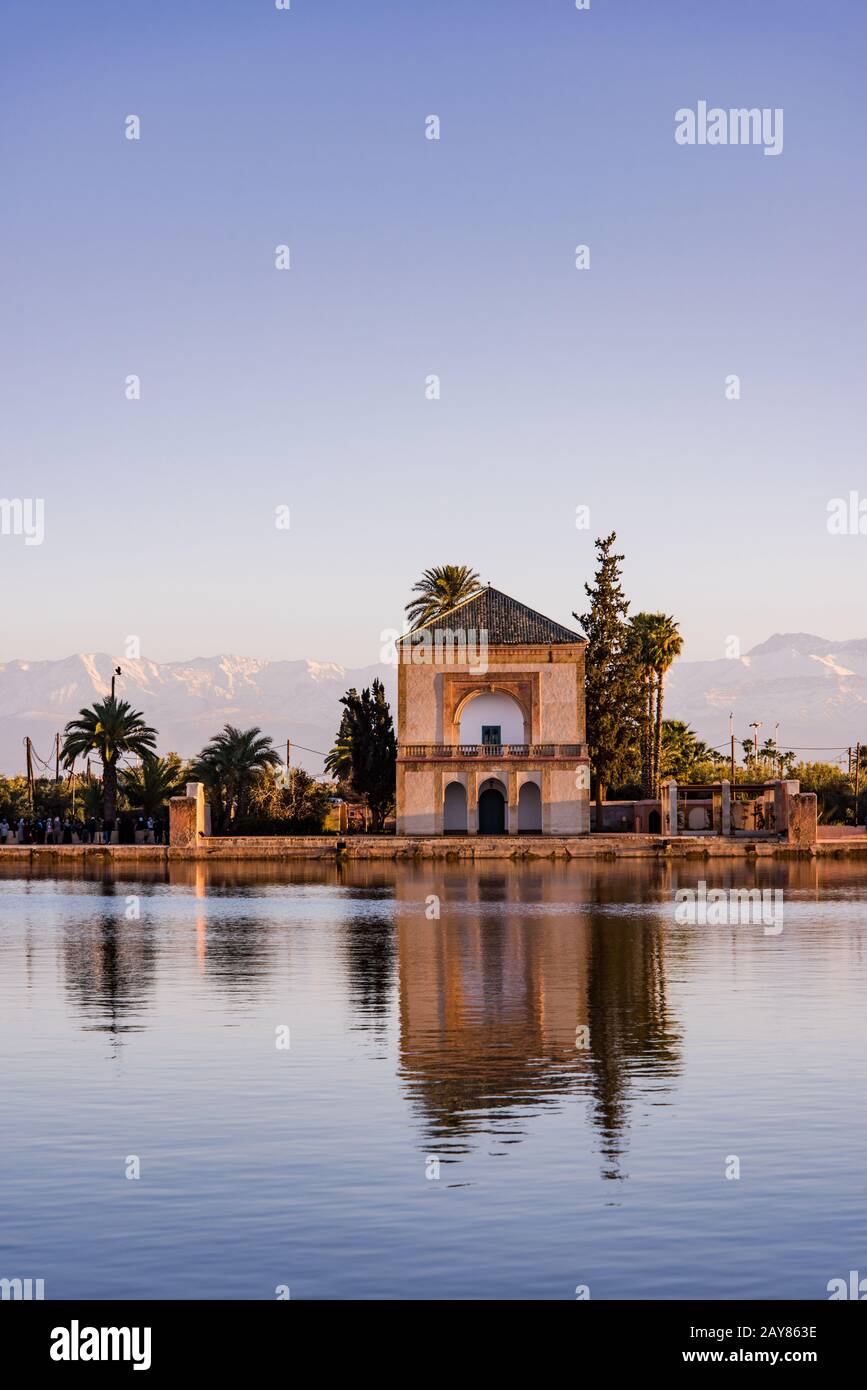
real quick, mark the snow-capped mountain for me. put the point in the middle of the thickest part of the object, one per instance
(186, 701)
(816, 689)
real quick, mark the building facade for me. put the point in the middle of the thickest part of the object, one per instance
(491, 728)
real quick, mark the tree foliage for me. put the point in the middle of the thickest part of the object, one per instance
(440, 589)
(613, 682)
(229, 766)
(367, 730)
(110, 728)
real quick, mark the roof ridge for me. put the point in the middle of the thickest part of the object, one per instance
(529, 617)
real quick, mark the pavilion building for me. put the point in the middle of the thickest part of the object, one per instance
(491, 726)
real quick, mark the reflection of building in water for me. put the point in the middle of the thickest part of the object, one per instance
(492, 994)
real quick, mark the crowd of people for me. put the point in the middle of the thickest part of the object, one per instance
(51, 830)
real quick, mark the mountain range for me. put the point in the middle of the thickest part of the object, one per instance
(815, 689)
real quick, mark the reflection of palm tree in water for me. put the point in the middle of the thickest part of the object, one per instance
(631, 1032)
(110, 964)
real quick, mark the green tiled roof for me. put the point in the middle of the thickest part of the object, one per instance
(504, 620)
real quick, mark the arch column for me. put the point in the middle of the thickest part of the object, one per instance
(473, 802)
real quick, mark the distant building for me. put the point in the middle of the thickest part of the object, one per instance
(490, 718)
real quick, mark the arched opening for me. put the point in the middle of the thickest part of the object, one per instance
(455, 809)
(654, 823)
(492, 718)
(492, 808)
(529, 809)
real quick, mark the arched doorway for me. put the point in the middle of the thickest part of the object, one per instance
(529, 809)
(654, 823)
(492, 809)
(455, 809)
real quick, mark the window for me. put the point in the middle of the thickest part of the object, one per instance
(492, 733)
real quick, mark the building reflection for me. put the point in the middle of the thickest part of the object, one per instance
(496, 995)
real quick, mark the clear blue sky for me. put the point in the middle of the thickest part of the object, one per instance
(410, 257)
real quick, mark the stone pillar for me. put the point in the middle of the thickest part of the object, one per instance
(668, 807)
(512, 782)
(187, 817)
(473, 802)
(726, 808)
(399, 803)
(783, 790)
(802, 820)
(182, 822)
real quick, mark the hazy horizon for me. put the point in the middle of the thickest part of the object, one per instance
(318, 659)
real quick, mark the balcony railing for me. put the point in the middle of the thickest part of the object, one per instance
(492, 750)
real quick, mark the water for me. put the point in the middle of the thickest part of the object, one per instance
(416, 1040)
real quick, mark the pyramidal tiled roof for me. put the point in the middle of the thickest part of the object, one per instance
(505, 621)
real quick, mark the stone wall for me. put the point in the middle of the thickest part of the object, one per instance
(802, 817)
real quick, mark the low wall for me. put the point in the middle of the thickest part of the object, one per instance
(476, 847)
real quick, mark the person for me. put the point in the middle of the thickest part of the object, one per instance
(67, 831)
(158, 831)
(4, 830)
(22, 831)
(150, 830)
(92, 830)
(57, 830)
(107, 831)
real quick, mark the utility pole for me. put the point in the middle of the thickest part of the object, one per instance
(732, 733)
(857, 777)
(57, 757)
(30, 773)
(117, 672)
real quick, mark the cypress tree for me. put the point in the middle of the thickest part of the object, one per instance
(613, 687)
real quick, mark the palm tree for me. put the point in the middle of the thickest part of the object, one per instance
(110, 727)
(641, 627)
(230, 764)
(669, 645)
(657, 643)
(439, 589)
(338, 763)
(153, 782)
(683, 752)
